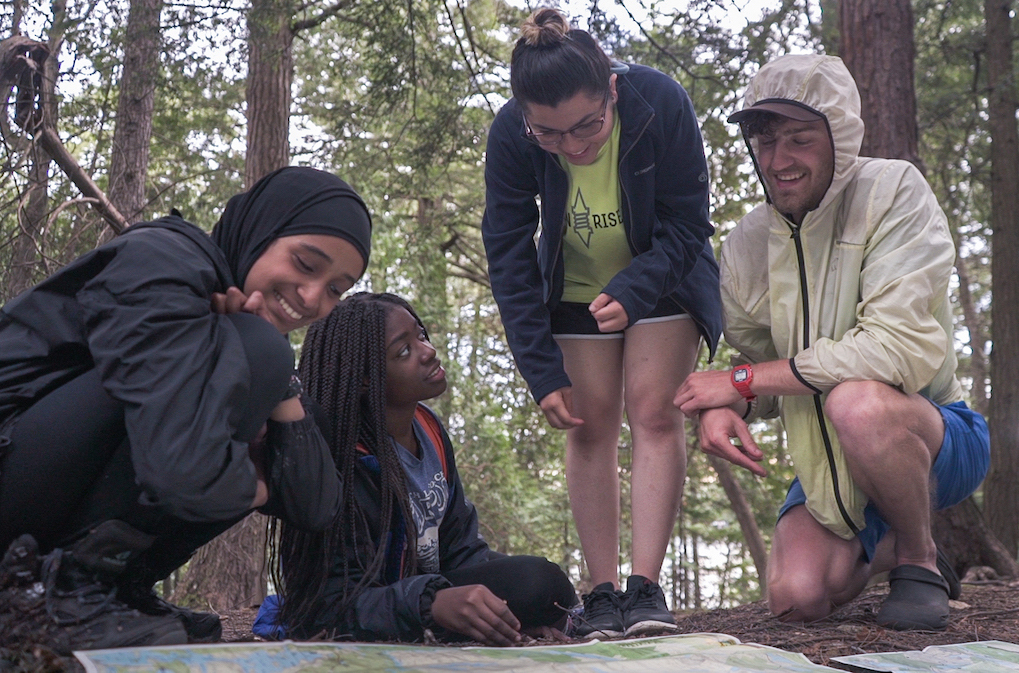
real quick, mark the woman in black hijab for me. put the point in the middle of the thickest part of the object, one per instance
(147, 403)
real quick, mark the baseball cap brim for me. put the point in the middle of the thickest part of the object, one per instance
(790, 109)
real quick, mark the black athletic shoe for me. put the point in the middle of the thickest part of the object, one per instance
(83, 607)
(601, 617)
(644, 609)
(201, 627)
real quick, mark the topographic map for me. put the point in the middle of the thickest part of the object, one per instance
(694, 653)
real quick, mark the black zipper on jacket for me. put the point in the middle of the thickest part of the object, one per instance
(818, 409)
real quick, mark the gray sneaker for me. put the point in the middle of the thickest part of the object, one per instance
(601, 617)
(644, 609)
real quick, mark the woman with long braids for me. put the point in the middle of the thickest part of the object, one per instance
(606, 313)
(404, 553)
(135, 385)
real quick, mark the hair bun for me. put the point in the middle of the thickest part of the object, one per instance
(544, 28)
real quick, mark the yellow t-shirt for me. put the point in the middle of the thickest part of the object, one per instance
(594, 240)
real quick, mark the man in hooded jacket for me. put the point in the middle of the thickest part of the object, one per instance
(844, 328)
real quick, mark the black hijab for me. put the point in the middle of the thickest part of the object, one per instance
(289, 201)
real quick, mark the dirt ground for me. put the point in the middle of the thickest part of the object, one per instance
(985, 611)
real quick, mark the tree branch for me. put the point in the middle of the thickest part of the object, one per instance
(321, 17)
(50, 142)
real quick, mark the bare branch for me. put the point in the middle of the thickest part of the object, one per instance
(50, 142)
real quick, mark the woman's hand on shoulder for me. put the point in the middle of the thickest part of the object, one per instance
(476, 612)
(609, 314)
(558, 409)
(235, 301)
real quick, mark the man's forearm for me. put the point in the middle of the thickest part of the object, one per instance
(776, 378)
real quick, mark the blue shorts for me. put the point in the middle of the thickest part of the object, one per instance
(960, 467)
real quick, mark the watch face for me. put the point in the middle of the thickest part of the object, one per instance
(739, 376)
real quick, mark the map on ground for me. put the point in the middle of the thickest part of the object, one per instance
(696, 653)
(990, 656)
(692, 653)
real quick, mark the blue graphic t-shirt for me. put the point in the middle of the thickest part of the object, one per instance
(428, 493)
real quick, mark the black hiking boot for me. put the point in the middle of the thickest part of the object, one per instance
(83, 603)
(138, 593)
(67, 599)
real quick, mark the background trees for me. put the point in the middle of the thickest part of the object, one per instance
(396, 97)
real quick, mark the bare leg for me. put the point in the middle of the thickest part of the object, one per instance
(595, 367)
(890, 441)
(812, 570)
(657, 359)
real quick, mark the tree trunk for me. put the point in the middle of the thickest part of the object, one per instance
(876, 43)
(745, 515)
(270, 73)
(220, 574)
(954, 530)
(877, 47)
(1001, 495)
(830, 26)
(978, 369)
(129, 162)
(28, 247)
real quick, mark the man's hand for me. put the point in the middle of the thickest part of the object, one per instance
(719, 426)
(235, 301)
(608, 313)
(706, 390)
(476, 612)
(558, 408)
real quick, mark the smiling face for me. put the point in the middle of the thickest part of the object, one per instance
(797, 160)
(581, 109)
(302, 277)
(413, 372)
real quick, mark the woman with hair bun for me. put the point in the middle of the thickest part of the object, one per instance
(606, 312)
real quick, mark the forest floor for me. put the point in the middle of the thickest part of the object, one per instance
(985, 611)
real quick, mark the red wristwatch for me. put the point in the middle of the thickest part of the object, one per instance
(741, 378)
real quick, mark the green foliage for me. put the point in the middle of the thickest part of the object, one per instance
(396, 98)
(954, 142)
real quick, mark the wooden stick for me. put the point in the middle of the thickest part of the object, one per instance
(50, 141)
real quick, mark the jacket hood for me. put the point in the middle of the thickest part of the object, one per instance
(823, 84)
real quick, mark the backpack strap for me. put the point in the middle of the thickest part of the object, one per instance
(433, 429)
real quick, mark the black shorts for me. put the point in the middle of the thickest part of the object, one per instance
(571, 320)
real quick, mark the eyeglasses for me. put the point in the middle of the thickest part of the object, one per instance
(580, 131)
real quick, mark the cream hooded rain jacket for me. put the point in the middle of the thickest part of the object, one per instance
(858, 292)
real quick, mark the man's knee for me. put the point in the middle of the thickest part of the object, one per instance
(856, 406)
(798, 601)
(805, 596)
(811, 569)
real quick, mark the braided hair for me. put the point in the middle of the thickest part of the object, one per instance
(343, 368)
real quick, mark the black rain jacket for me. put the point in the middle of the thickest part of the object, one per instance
(398, 605)
(138, 309)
